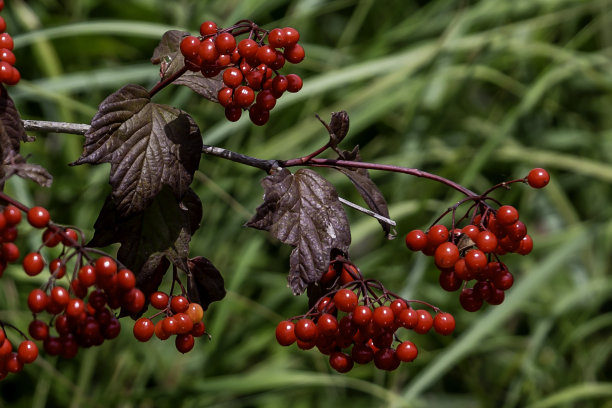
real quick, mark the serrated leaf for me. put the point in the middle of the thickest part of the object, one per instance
(205, 283)
(303, 210)
(205, 87)
(148, 146)
(32, 172)
(368, 190)
(163, 228)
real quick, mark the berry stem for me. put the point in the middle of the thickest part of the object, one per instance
(166, 81)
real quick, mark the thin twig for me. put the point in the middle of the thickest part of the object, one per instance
(55, 127)
(266, 165)
(368, 212)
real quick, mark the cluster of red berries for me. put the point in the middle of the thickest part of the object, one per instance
(250, 66)
(13, 361)
(367, 329)
(471, 253)
(8, 73)
(180, 318)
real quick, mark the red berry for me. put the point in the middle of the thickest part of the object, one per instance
(51, 237)
(189, 47)
(341, 362)
(38, 217)
(37, 300)
(292, 35)
(408, 318)
(469, 301)
(60, 296)
(184, 342)
(506, 215)
(424, 323)
(383, 317)
(126, 279)
(362, 315)
(266, 100)
(247, 48)
(105, 267)
(233, 113)
(6, 41)
(266, 55)
(57, 268)
(444, 323)
(225, 43)
(12, 363)
(258, 115)
(134, 300)
(285, 334)
(254, 79)
(232, 77)
(208, 52)
(33, 263)
(525, 246)
(244, 96)
(185, 324)
(305, 330)
(503, 280)
(71, 237)
(538, 178)
(294, 83)
(362, 353)
(486, 241)
(225, 96)
(294, 53)
(416, 240)
(12, 215)
(195, 312)
(208, 28)
(159, 300)
(471, 231)
(346, 300)
(397, 306)
(327, 325)
(446, 255)
(10, 252)
(437, 235)
(170, 325)
(87, 275)
(475, 260)
(179, 304)
(385, 359)
(75, 307)
(406, 351)
(276, 38)
(38, 330)
(449, 281)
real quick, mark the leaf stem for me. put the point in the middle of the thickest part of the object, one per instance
(166, 81)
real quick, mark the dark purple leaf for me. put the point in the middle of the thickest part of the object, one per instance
(303, 210)
(148, 146)
(205, 283)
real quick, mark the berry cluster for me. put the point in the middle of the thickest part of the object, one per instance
(250, 66)
(13, 361)
(366, 331)
(180, 318)
(471, 253)
(8, 73)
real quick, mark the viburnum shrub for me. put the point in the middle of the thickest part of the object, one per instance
(152, 213)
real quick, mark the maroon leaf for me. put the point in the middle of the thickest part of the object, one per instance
(205, 283)
(303, 210)
(148, 146)
(169, 56)
(368, 190)
(12, 133)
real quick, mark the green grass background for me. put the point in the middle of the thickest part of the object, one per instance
(477, 91)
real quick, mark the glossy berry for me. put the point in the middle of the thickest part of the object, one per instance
(446, 255)
(57, 268)
(444, 323)
(294, 54)
(416, 240)
(285, 334)
(244, 96)
(469, 301)
(10, 252)
(27, 351)
(6, 41)
(383, 317)
(105, 266)
(305, 330)
(385, 359)
(506, 215)
(190, 46)
(424, 323)
(33, 263)
(345, 300)
(341, 362)
(208, 52)
(258, 115)
(37, 300)
(247, 48)
(266, 55)
(232, 77)
(51, 238)
(179, 304)
(291, 35)
(208, 28)
(538, 178)
(406, 351)
(184, 342)
(195, 312)
(126, 279)
(12, 215)
(327, 325)
(159, 300)
(225, 43)
(87, 275)
(71, 237)
(38, 330)
(408, 318)
(294, 83)
(486, 241)
(233, 112)
(38, 217)
(437, 234)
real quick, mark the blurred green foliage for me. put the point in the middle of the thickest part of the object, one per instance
(477, 91)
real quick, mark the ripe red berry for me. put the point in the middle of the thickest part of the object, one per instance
(6, 41)
(8, 56)
(346, 300)
(383, 317)
(71, 237)
(327, 325)
(538, 178)
(184, 342)
(159, 300)
(51, 238)
(362, 315)
(189, 47)
(424, 323)
(285, 334)
(266, 55)
(449, 281)
(444, 323)
(38, 217)
(294, 83)
(486, 241)
(12, 214)
(247, 48)
(446, 255)
(469, 301)
(416, 240)
(385, 359)
(292, 35)
(37, 300)
(105, 267)
(208, 28)
(362, 353)
(276, 38)
(38, 330)
(33, 263)
(195, 312)
(126, 279)
(179, 304)
(437, 235)
(233, 113)
(406, 351)
(294, 53)
(232, 77)
(306, 330)
(225, 43)
(475, 260)
(87, 275)
(225, 96)
(244, 96)
(341, 362)
(57, 268)
(516, 231)
(525, 246)
(27, 351)
(408, 318)
(60, 296)
(258, 115)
